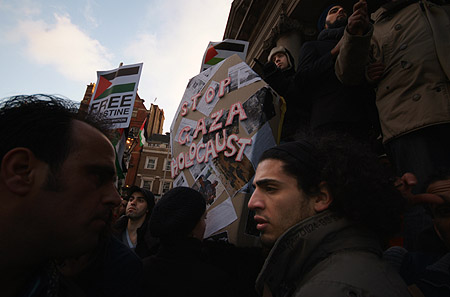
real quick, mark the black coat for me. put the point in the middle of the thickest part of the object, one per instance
(297, 113)
(146, 244)
(181, 269)
(333, 105)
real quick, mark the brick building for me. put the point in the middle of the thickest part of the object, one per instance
(153, 168)
(139, 172)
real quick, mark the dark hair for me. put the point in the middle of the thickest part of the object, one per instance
(361, 189)
(42, 123)
(323, 17)
(148, 196)
(322, 21)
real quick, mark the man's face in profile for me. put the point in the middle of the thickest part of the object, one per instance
(278, 202)
(73, 216)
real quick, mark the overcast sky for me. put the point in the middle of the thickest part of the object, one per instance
(57, 46)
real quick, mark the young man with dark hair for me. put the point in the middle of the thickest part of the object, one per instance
(131, 229)
(57, 189)
(323, 206)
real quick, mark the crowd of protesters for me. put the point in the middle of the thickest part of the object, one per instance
(338, 215)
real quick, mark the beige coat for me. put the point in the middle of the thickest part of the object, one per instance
(414, 45)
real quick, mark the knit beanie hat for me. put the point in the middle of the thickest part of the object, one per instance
(177, 213)
(148, 196)
(323, 18)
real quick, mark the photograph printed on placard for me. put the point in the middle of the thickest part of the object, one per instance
(247, 76)
(233, 128)
(196, 85)
(261, 141)
(196, 169)
(209, 184)
(234, 175)
(205, 107)
(259, 109)
(186, 135)
(241, 75)
(180, 181)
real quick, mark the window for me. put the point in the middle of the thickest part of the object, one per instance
(166, 187)
(150, 163)
(167, 163)
(147, 184)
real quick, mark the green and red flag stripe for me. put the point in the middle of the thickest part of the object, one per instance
(219, 51)
(143, 133)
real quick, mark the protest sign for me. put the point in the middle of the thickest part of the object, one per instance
(227, 117)
(216, 52)
(115, 93)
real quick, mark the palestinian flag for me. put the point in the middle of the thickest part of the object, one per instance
(219, 51)
(143, 133)
(115, 93)
(119, 142)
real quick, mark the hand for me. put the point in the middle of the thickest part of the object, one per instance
(269, 69)
(405, 184)
(375, 71)
(337, 48)
(358, 22)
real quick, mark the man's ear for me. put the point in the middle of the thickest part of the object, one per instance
(323, 200)
(18, 170)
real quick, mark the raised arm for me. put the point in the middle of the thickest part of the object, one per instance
(354, 50)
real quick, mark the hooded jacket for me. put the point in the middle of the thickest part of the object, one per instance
(146, 244)
(326, 255)
(296, 118)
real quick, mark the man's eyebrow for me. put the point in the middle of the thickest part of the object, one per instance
(135, 197)
(104, 170)
(266, 181)
(334, 9)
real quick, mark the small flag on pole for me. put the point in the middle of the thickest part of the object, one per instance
(143, 133)
(119, 142)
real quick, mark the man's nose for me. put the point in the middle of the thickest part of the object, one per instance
(255, 201)
(112, 197)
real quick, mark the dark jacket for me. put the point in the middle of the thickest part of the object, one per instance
(326, 255)
(296, 118)
(146, 244)
(333, 105)
(427, 270)
(181, 269)
(111, 270)
(114, 271)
